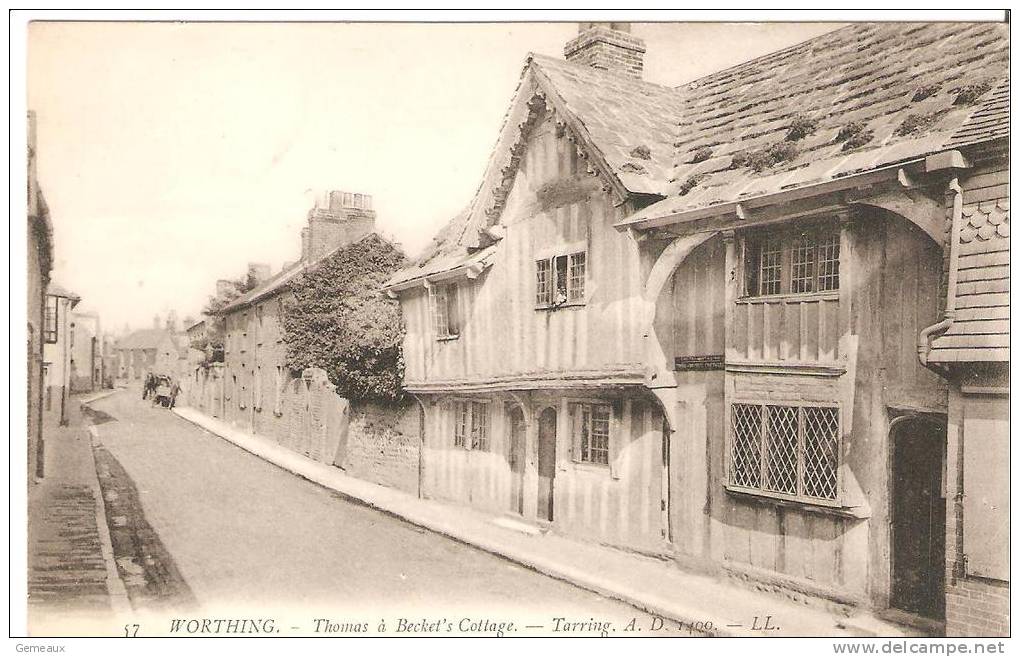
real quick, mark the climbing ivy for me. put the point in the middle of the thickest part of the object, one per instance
(338, 320)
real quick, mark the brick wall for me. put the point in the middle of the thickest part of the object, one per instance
(975, 606)
(608, 49)
(383, 444)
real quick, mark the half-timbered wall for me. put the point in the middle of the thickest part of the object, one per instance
(555, 207)
(855, 347)
(619, 503)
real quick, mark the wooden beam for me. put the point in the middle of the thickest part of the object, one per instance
(919, 209)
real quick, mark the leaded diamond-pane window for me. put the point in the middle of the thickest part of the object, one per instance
(745, 454)
(821, 452)
(790, 451)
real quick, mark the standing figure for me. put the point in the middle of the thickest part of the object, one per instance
(175, 390)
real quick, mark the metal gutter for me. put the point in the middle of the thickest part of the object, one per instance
(929, 333)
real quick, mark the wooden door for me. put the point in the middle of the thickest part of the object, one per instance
(919, 519)
(515, 457)
(546, 462)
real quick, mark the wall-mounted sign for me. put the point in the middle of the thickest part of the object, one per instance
(699, 363)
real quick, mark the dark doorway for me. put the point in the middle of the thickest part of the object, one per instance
(515, 457)
(919, 519)
(546, 462)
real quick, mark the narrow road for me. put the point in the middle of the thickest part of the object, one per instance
(249, 538)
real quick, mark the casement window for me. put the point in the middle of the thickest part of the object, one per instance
(560, 279)
(471, 425)
(278, 387)
(256, 392)
(791, 261)
(785, 451)
(258, 323)
(52, 313)
(443, 307)
(591, 432)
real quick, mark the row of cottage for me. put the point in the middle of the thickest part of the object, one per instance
(758, 322)
(67, 350)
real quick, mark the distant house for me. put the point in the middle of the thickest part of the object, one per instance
(146, 351)
(57, 346)
(39, 255)
(686, 320)
(86, 352)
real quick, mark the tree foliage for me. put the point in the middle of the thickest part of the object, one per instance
(337, 320)
(215, 330)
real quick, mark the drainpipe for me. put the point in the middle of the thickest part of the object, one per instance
(928, 334)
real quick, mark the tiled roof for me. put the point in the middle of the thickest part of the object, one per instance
(989, 121)
(856, 99)
(849, 101)
(143, 339)
(628, 123)
(981, 329)
(632, 123)
(55, 290)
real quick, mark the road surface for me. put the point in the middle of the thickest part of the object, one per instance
(233, 537)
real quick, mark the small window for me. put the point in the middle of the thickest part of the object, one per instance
(791, 261)
(443, 306)
(787, 451)
(479, 426)
(592, 423)
(560, 279)
(257, 389)
(52, 312)
(278, 387)
(471, 425)
(258, 323)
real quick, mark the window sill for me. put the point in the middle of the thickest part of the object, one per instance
(446, 338)
(829, 295)
(591, 467)
(568, 304)
(825, 507)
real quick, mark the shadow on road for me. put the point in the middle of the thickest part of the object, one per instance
(93, 416)
(149, 573)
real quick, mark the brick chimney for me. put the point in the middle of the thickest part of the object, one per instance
(224, 287)
(258, 271)
(607, 46)
(336, 219)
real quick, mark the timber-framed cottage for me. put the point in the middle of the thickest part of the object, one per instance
(757, 322)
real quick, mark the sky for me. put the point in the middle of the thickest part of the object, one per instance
(172, 154)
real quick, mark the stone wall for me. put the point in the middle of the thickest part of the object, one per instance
(383, 444)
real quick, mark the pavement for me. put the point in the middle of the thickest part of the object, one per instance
(73, 587)
(655, 586)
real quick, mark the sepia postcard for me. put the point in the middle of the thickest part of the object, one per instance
(506, 326)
